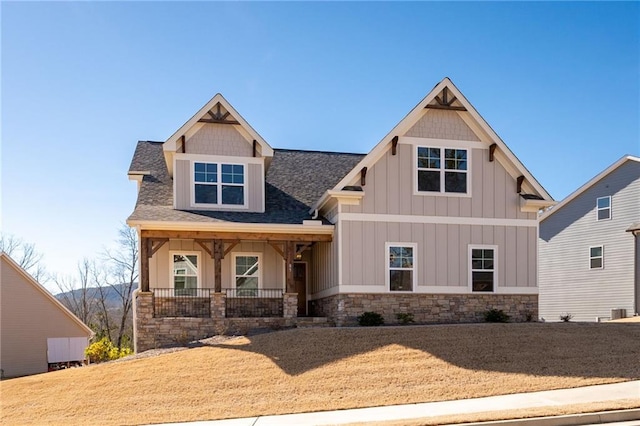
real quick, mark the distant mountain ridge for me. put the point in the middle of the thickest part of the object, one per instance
(111, 295)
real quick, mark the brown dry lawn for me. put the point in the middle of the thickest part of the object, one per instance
(326, 369)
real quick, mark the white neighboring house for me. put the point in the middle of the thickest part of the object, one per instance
(589, 248)
(35, 328)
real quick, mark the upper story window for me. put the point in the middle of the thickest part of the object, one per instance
(442, 170)
(219, 184)
(603, 208)
(596, 257)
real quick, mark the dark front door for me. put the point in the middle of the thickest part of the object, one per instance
(300, 281)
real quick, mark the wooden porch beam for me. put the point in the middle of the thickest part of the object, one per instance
(277, 249)
(290, 249)
(144, 264)
(218, 255)
(492, 150)
(231, 247)
(154, 248)
(519, 182)
(236, 236)
(303, 248)
(205, 247)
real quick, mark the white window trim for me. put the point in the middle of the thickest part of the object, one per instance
(472, 247)
(601, 246)
(414, 276)
(607, 208)
(185, 253)
(442, 170)
(219, 205)
(233, 266)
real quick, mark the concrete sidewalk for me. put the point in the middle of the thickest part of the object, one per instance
(584, 395)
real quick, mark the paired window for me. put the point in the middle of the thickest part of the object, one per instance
(401, 272)
(603, 208)
(596, 257)
(219, 184)
(185, 273)
(442, 170)
(247, 274)
(483, 268)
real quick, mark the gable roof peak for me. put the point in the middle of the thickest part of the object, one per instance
(218, 110)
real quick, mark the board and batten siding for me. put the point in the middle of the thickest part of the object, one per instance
(27, 319)
(324, 268)
(272, 267)
(567, 284)
(442, 253)
(254, 187)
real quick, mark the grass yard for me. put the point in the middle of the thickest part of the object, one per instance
(324, 369)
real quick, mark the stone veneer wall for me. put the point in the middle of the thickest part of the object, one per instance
(344, 309)
(156, 332)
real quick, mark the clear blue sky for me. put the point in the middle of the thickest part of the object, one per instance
(83, 81)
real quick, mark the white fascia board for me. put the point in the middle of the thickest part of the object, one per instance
(499, 142)
(343, 197)
(137, 176)
(153, 225)
(589, 184)
(171, 143)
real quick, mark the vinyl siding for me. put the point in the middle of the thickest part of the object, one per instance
(390, 187)
(567, 285)
(160, 264)
(219, 139)
(442, 252)
(27, 319)
(254, 187)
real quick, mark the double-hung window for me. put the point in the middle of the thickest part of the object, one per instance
(596, 257)
(219, 184)
(483, 269)
(603, 208)
(185, 273)
(443, 170)
(247, 274)
(401, 272)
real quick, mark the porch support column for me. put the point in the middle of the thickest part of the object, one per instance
(145, 251)
(218, 255)
(289, 253)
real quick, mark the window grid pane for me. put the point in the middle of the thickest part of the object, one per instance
(401, 268)
(482, 270)
(596, 257)
(442, 170)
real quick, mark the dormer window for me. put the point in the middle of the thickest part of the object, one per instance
(219, 184)
(603, 208)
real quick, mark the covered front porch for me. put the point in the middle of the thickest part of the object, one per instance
(195, 284)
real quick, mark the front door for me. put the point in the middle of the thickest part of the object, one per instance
(300, 281)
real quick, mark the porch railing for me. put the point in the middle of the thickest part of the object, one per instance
(187, 302)
(250, 303)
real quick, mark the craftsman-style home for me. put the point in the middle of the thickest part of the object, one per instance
(438, 220)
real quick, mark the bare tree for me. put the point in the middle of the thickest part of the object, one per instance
(124, 275)
(25, 255)
(77, 294)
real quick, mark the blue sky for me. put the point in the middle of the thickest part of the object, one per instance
(83, 81)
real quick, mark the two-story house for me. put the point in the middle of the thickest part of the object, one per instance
(590, 248)
(438, 220)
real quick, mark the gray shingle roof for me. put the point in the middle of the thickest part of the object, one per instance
(294, 182)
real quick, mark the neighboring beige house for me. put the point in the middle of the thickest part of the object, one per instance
(35, 328)
(439, 220)
(590, 248)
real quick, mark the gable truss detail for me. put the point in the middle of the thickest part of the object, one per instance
(445, 102)
(218, 117)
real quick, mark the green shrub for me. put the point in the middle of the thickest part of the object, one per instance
(496, 315)
(405, 318)
(370, 319)
(103, 350)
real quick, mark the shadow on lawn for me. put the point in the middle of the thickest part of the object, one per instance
(571, 350)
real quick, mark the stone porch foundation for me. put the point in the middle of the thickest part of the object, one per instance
(344, 309)
(152, 332)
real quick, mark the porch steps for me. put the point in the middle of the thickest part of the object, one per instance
(308, 322)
